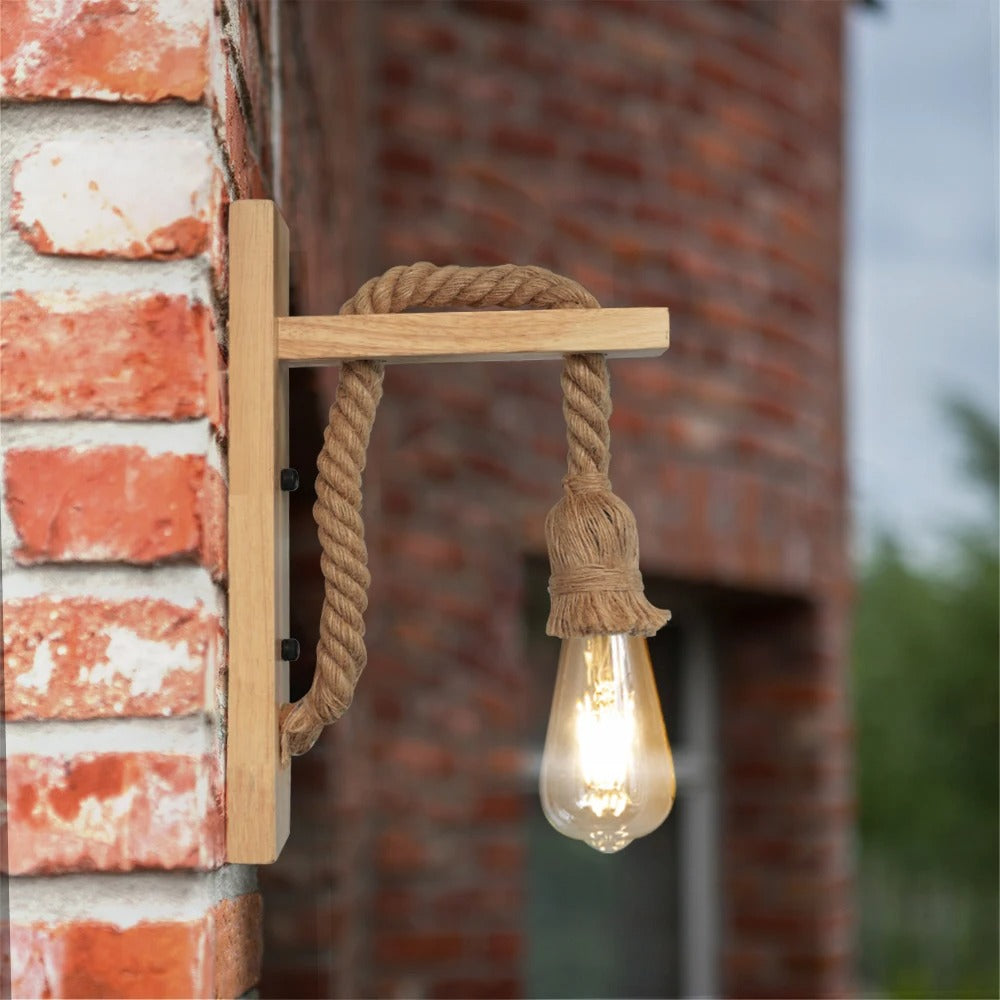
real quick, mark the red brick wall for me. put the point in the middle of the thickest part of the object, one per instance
(127, 128)
(662, 153)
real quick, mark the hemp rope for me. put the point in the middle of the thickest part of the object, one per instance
(593, 545)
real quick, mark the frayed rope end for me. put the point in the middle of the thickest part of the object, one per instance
(298, 729)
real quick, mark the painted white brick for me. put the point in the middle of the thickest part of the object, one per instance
(134, 50)
(147, 196)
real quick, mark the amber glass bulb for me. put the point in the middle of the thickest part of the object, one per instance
(607, 772)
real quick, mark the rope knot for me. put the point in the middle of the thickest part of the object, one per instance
(586, 482)
(582, 579)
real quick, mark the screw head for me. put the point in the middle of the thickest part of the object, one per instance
(289, 480)
(290, 650)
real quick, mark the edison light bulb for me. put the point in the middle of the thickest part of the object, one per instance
(607, 772)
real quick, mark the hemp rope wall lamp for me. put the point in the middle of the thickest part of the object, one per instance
(607, 774)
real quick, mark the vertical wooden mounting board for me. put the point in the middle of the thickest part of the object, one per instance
(257, 787)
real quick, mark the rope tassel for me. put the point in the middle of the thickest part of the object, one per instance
(595, 586)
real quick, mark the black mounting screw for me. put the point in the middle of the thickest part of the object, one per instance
(289, 480)
(290, 649)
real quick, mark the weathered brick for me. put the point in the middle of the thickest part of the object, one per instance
(437, 123)
(95, 959)
(396, 72)
(104, 51)
(239, 943)
(420, 757)
(622, 165)
(432, 551)
(396, 905)
(216, 955)
(500, 807)
(523, 142)
(719, 71)
(398, 850)
(119, 356)
(487, 900)
(83, 658)
(112, 812)
(687, 180)
(508, 761)
(419, 947)
(243, 159)
(153, 196)
(115, 504)
(406, 160)
(252, 60)
(418, 34)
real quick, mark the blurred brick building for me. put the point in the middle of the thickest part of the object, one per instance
(663, 153)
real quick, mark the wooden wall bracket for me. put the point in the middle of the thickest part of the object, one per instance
(263, 342)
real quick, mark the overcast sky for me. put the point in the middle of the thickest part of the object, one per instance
(922, 264)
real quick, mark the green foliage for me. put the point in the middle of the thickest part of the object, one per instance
(927, 690)
(982, 452)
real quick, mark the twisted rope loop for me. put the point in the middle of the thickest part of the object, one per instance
(340, 654)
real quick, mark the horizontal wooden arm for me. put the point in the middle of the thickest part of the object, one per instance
(515, 335)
